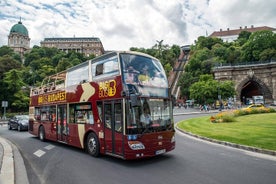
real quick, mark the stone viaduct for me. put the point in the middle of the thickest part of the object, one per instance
(250, 79)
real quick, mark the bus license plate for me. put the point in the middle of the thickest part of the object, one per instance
(158, 152)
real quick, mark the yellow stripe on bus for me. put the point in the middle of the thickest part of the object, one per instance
(81, 131)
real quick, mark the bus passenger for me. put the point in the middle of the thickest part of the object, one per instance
(144, 75)
(131, 75)
(158, 79)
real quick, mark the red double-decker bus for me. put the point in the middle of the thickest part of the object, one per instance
(118, 104)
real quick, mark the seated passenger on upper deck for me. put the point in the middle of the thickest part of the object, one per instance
(131, 75)
(158, 80)
(144, 76)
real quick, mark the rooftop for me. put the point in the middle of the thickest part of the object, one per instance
(230, 32)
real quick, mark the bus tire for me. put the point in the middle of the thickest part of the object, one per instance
(92, 145)
(41, 134)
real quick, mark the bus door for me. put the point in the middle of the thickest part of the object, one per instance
(113, 120)
(62, 124)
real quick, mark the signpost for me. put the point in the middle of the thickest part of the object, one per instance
(5, 105)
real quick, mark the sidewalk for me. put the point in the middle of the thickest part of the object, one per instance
(182, 110)
(12, 167)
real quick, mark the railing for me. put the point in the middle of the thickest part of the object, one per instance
(175, 75)
(251, 63)
(54, 82)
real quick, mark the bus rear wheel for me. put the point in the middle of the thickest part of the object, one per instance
(92, 145)
(41, 133)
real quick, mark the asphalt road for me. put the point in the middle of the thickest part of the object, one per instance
(193, 161)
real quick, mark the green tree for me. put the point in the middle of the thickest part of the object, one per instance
(14, 90)
(63, 64)
(257, 43)
(243, 37)
(206, 90)
(7, 63)
(207, 42)
(5, 50)
(268, 54)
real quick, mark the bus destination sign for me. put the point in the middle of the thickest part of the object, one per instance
(52, 98)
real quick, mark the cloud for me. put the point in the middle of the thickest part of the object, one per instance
(121, 24)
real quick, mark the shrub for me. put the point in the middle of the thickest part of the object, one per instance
(229, 116)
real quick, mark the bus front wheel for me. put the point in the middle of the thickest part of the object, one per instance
(92, 145)
(42, 133)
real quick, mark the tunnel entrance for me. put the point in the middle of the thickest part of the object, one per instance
(249, 89)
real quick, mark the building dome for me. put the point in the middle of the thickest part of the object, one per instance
(20, 29)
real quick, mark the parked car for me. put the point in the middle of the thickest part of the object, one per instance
(254, 106)
(19, 122)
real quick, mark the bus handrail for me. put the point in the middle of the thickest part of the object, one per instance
(51, 83)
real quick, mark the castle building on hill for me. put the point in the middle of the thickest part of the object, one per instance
(84, 45)
(19, 39)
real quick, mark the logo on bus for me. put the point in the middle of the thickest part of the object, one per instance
(50, 98)
(107, 88)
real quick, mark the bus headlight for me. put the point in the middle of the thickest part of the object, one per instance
(132, 137)
(136, 145)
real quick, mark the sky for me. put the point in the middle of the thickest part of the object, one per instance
(122, 24)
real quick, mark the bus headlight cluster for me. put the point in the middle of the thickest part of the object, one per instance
(132, 137)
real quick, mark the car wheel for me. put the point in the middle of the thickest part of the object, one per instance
(92, 145)
(19, 128)
(42, 133)
(9, 126)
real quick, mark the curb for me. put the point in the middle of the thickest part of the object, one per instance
(13, 169)
(7, 168)
(234, 145)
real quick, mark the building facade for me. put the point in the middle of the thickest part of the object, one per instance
(231, 35)
(18, 39)
(85, 45)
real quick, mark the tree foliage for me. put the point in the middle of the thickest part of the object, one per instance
(207, 90)
(209, 52)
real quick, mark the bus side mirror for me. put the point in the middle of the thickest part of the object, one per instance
(134, 100)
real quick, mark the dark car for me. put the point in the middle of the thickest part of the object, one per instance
(19, 122)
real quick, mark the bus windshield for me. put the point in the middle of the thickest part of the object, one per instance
(142, 70)
(152, 115)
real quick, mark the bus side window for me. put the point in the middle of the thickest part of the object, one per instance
(37, 113)
(118, 117)
(72, 114)
(81, 113)
(107, 115)
(99, 69)
(100, 113)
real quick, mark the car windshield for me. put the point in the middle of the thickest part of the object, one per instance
(22, 117)
(152, 116)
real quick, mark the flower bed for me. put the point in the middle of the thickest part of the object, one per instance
(229, 116)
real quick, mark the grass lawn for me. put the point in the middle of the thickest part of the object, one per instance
(257, 130)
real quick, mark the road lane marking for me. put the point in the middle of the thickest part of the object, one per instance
(39, 153)
(49, 147)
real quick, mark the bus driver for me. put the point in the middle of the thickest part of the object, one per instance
(145, 117)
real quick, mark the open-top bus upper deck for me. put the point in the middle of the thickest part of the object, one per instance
(132, 68)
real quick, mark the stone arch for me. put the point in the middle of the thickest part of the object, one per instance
(257, 83)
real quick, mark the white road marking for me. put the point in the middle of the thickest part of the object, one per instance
(49, 147)
(39, 153)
